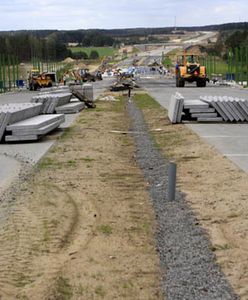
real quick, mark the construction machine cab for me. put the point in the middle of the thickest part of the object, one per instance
(188, 59)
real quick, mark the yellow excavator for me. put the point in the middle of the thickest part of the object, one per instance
(37, 80)
(188, 69)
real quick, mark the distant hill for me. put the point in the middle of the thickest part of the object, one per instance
(78, 35)
(51, 45)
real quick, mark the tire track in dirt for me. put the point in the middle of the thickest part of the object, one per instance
(34, 233)
(84, 221)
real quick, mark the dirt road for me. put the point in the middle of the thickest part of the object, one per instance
(81, 227)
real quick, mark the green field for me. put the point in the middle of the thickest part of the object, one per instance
(102, 51)
(167, 62)
(216, 66)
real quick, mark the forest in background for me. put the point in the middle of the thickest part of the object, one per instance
(51, 45)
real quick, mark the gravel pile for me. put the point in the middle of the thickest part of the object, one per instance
(189, 270)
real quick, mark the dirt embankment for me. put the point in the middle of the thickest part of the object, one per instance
(215, 188)
(82, 226)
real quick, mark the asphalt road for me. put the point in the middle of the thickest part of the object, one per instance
(231, 139)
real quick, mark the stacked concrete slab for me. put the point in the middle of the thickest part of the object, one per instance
(200, 111)
(176, 108)
(56, 89)
(54, 92)
(208, 109)
(73, 107)
(15, 112)
(50, 101)
(86, 90)
(33, 128)
(24, 121)
(229, 108)
(84, 93)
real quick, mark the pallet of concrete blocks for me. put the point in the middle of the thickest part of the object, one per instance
(176, 108)
(51, 101)
(72, 107)
(200, 111)
(15, 112)
(33, 128)
(229, 108)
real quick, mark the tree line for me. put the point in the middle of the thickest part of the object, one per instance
(26, 45)
(107, 36)
(229, 40)
(50, 45)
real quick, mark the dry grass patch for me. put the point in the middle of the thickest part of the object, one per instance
(83, 226)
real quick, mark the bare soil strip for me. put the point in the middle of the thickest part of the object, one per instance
(214, 187)
(82, 226)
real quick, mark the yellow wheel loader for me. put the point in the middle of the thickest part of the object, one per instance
(188, 69)
(37, 80)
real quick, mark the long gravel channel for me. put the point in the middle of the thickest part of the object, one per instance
(189, 268)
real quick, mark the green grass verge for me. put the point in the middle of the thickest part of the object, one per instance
(167, 62)
(145, 101)
(217, 67)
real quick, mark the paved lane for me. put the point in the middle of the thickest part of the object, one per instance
(231, 139)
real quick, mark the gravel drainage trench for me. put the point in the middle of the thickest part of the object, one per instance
(189, 270)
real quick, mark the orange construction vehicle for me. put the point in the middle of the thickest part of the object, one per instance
(188, 69)
(37, 80)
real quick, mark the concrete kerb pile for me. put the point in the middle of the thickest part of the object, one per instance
(200, 111)
(33, 128)
(207, 109)
(86, 90)
(51, 100)
(59, 99)
(176, 108)
(23, 122)
(15, 112)
(74, 106)
(55, 89)
(84, 93)
(229, 108)
(31, 121)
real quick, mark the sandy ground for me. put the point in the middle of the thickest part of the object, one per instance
(215, 188)
(82, 226)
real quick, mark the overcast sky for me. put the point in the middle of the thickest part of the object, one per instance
(84, 14)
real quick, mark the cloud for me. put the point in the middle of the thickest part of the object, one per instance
(75, 14)
(230, 10)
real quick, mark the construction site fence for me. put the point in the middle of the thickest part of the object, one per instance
(234, 67)
(9, 72)
(237, 61)
(47, 66)
(10, 75)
